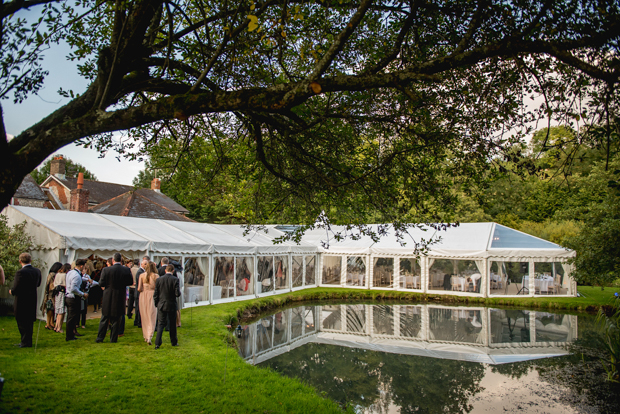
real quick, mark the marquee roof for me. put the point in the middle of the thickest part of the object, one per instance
(468, 240)
(97, 232)
(70, 230)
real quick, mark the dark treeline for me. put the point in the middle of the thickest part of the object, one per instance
(562, 186)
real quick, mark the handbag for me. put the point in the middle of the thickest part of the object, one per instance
(49, 305)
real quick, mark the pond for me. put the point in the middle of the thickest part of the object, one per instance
(379, 358)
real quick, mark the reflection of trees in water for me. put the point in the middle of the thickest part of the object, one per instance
(355, 376)
(580, 372)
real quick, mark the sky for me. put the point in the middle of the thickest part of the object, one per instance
(63, 73)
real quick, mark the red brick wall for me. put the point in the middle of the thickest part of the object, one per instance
(60, 191)
(79, 200)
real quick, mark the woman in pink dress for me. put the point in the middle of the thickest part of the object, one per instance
(148, 311)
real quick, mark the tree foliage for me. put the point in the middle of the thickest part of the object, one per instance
(597, 204)
(15, 241)
(72, 169)
(354, 108)
(363, 378)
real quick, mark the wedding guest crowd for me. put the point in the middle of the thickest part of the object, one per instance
(70, 288)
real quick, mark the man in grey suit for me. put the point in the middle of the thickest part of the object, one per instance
(165, 297)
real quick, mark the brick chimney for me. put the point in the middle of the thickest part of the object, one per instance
(156, 185)
(79, 196)
(57, 167)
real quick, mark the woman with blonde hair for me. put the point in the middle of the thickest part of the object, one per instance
(148, 311)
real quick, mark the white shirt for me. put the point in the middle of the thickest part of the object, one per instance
(74, 282)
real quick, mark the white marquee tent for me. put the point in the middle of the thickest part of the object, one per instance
(482, 259)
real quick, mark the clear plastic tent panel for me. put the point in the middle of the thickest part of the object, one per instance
(281, 272)
(439, 274)
(550, 279)
(310, 270)
(455, 275)
(331, 270)
(356, 271)
(509, 278)
(297, 270)
(264, 274)
(244, 277)
(224, 277)
(410, 274)
(383, 272)
(507, 238)
(410, 321)
(195, 276)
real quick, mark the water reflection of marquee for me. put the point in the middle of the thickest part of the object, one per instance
(493, 336)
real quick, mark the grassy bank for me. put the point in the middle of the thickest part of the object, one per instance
(202, 375)
(591, 300)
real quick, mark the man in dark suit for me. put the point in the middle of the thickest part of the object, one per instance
(163, 264)
(114, 281)
(131, 301)
(162, 270)
(25, 285)
(165, 297)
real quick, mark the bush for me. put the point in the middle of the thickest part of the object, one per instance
(558, 232)
(14, 242)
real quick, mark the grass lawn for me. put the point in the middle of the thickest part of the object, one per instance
(202, 375)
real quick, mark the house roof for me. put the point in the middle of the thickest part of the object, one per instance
(162, 199)
(135, 204)
(99, 191)
(30, 189)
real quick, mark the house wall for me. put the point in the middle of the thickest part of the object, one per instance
(60, 192)
(28, 202)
